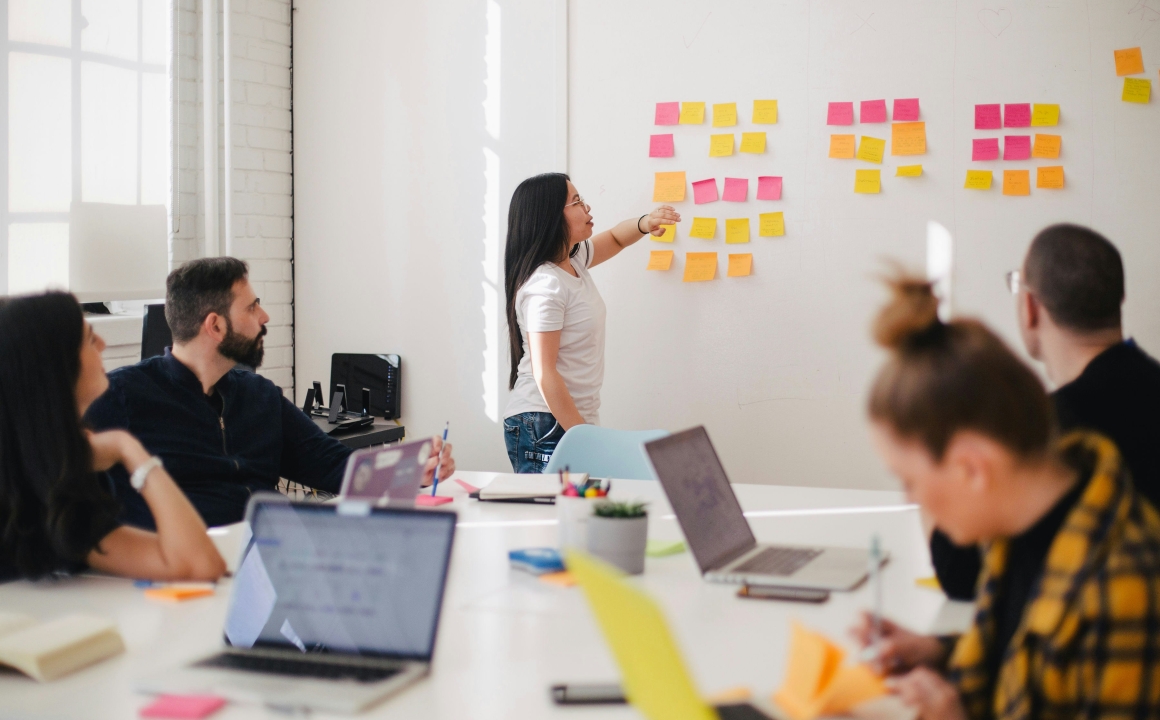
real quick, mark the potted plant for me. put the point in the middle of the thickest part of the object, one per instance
(618, 534)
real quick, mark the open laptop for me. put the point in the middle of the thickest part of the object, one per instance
(386, 474)
(334, 607)
(718, 534)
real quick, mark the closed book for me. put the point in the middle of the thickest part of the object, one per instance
(47, 651)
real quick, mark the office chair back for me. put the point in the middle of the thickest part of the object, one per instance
(604, 452)
(155, 334)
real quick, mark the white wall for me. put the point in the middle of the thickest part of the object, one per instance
(409, 138)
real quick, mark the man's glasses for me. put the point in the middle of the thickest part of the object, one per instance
(1014, 281)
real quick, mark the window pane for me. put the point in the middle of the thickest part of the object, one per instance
(154, 139)
(39, 136)
(108, 134)
(112, 27)
(37, 257)
(155, 31)
(40, 21)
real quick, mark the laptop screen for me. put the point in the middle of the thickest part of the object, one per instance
(695, 483)
(320, 578)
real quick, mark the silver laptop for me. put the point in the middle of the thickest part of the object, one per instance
(386, 474)
(718, 534)
(333, 607)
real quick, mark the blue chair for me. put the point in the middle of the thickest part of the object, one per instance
(605, 453)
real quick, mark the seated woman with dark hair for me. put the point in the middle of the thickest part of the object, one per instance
(57, 510)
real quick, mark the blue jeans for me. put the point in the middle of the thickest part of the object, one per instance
(531, 439)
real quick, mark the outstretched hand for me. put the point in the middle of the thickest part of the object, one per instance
(663, 215)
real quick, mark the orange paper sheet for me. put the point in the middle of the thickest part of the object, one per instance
(669, 187)
(1046, 146)
(842, 147)
(660, 260)
(700, 266)
(1049, 178)
(1016, 182)
(177, 593)
(908, 138)
(816, 682)
(1129, 61)
(740, 264)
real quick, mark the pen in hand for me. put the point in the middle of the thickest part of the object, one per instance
(439, 459)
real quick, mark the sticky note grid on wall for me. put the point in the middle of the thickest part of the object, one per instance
(1015, 147)
(907, 138)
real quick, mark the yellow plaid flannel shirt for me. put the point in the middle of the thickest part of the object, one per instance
(1088, 644)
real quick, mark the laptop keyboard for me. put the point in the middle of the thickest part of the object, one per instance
(777, 561)
(298, 668)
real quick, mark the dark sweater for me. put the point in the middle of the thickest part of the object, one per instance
(1117, 395)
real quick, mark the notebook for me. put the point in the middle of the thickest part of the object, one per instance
(47, 651)
(526, 487)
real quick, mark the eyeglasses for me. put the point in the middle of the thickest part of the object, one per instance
(1015, 281)
(579, 201)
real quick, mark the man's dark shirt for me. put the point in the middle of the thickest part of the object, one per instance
(219, 448)
(1117, 395)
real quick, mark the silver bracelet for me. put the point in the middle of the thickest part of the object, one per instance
(137, 479)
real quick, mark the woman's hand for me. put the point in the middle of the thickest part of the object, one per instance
(663, 215)
(931, 695)
(446, 465)
(113, 447)
(899, 649)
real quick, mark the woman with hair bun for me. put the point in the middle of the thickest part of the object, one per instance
(1068, 607)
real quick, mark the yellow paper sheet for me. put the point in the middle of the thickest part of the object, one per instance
(753, 142)
(1044, 115)
(842, 147)
(1129, 61)
(764, 112)
(978, 180)
(669, 234)
(771, 224)
(1046, 146)
(740, 264)
(660, 260)
(704, 228)
(871, 149)
(720, 145)
(1137, 90)
(736, 231)
(908, 138)
(724, 114)
(929, 583)
(1049, 178)
(669, 187)
(908, 171)
(816, 683)
(692, 113)
(700, 266)
(868, 181)
(1016, 182)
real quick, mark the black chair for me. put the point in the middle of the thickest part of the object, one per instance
(155, 335)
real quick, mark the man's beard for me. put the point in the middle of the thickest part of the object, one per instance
(241, 349)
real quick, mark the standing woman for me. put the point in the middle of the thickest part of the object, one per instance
(555, 315)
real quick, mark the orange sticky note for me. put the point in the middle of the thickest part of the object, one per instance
(978, 180)
(816, 683)
(740, 264)
(842, 147)
(1049, 178)
(1016, 182)
(700, 266)
(561, 579)
(668, 235)
(177, 593)
(669, 187)
(1046, 146)
(908, 138)
(1129, 61)
(660, 260)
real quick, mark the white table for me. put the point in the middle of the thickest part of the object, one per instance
(504, 636)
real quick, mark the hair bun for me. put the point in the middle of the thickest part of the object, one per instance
(911, 312)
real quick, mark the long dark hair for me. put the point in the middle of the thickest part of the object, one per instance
(51, 504)
(536, 234)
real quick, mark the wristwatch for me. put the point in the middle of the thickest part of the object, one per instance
(137, 479)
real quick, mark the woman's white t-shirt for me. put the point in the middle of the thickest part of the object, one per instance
(551, 300)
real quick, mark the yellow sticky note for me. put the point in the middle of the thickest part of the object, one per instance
(1046, 146)
(720, 145)
(692, 113)
(1129, 61)
(1016, 182)
(700, 266)
(908, 138)
(868, 181)
(929, 583)
(908, 171)
(1049, 178)
(842, 147)
(724, 114)
(1044, 115)
(660, 260)
(740, 264)
(871, 149)
(764, 112)
(771, 224)
(978, 180)
(736, 231)
(753, 142)
(669, 187)
(1137, 90)
(705, 228)
(669, 234)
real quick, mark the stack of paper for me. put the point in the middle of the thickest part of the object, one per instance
(526, 486)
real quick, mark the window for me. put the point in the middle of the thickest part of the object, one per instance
(87, 114)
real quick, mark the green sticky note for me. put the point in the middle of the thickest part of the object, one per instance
(663, 548)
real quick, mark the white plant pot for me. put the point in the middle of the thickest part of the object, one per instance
(619, 541)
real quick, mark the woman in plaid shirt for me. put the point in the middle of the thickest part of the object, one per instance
(1067, 617)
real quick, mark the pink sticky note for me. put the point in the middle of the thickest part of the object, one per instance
(660, 145)
(1017, 147)
(182, 706)
(985, 149)
(769, 187)
(906, 110)
(988, 117)
(425, 500)
(705, 191)
(467, 486)
(873, 111)
(1017, 115)
(736, 190)
(668, 113)
(840, 113)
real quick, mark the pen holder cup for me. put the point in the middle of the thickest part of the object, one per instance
(574, 514)
(619, 541)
